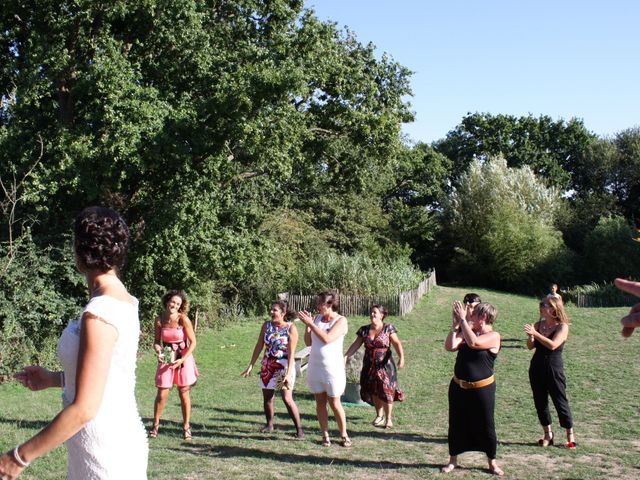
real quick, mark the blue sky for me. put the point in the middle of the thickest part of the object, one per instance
(562, 58)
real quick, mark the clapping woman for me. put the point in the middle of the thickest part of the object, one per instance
(279, 338)
(99, 422)
(326, 376)
(546, 371)
(472, 391)
(174, 343)
(379, 376)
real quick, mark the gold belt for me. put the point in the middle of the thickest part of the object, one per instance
(473, 385)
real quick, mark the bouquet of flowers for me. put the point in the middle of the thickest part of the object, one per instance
(167, 355)
(280, 385)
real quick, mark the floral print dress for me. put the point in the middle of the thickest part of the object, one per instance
(379, 374)
(275, 361)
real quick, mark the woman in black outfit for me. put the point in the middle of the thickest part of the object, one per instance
(546, 372)
(472, 391)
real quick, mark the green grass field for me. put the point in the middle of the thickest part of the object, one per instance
(603, 374)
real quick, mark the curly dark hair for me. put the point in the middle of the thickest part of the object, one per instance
(101, 239)
(383, 310)
(283, 305)
(184, 308)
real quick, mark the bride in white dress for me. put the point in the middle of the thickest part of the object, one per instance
(99, 423)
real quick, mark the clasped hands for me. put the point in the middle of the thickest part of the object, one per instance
(458, 314)
(306, 317)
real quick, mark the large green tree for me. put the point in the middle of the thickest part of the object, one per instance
(547, 146)
(196, 119)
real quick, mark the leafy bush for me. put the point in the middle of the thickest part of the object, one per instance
(39, 292)
(610, 252)
(501, 219)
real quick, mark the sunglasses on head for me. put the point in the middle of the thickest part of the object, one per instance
(544, 305)
(469, 302)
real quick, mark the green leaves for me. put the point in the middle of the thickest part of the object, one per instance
(502, 219)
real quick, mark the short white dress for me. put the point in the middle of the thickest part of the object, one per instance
(114, 444)
(325, 371)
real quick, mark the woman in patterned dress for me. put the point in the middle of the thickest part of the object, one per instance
(379, 376)
(279, 338)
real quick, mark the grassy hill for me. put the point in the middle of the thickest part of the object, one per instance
(602, 369)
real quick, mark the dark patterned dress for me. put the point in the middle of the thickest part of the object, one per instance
(379, 375)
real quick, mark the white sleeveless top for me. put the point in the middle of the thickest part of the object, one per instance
(114, 444)
(327, 356)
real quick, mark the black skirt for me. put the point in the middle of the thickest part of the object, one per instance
(471, 421)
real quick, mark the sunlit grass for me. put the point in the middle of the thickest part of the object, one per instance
(602, 374)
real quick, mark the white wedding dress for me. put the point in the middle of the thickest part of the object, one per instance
(114, 444)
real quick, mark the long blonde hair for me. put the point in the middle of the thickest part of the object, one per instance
(558, 309)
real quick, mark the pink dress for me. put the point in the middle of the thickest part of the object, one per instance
(185, 375)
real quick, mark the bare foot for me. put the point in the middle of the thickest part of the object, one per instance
(495, 469)
(448, 468)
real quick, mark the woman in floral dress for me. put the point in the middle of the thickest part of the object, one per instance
(379, 376)
(278, 337)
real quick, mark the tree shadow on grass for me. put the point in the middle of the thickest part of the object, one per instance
(226, 451)
(259, 413)
(519, 343)
(35, 424)
(402, 436)
(212, 432)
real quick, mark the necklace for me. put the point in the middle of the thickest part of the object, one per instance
(544, 328)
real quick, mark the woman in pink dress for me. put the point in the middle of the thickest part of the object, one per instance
(174, 344)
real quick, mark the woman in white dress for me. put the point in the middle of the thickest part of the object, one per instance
(326, 375)
(99, 423)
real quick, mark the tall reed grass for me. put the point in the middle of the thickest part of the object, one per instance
(355, 274)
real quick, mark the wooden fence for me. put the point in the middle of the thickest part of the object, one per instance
(350, 305)
(586, 300)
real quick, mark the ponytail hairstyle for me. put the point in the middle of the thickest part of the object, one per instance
(330, 297)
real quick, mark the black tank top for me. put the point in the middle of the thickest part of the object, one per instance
(546, 356)
(473, 365)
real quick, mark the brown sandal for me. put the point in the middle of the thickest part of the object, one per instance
(346, 442)
(187, 433)
(326, 440)
(545, 442)
(153, 433)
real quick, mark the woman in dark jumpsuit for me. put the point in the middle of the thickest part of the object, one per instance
(472, 391)
(546, 372)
